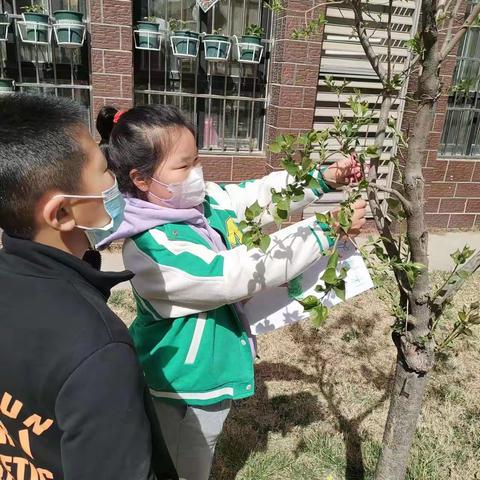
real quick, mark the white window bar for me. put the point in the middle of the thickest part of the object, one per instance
(4, 26)
(146, 40)
(216, 50)
(184, 47)
(248, 52)
(226, 100)
(69, 35)
(35, 33)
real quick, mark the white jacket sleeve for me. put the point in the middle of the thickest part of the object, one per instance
(181, 278)
(244, 194)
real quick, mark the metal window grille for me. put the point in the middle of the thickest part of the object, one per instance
(226, 100)
(46, 69)
(461, 131)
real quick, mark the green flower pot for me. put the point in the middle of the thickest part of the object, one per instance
(40, 34)
(69, 34)
(148, 41)
(249, 53)
(7, 85)
(3, 28)
(214, 49)
(184, 46)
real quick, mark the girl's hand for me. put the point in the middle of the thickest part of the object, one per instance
(358, 218)
(344, 172)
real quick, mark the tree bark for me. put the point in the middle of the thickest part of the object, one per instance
(406, 403)
(415, 348)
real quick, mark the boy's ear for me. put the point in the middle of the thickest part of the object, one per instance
(57, 214)
(139, 181)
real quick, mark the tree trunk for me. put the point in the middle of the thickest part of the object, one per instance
(415, 348)
(405, 407)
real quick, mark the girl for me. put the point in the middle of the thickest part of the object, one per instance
(183, 243)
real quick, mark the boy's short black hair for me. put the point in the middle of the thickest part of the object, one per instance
(38, 153)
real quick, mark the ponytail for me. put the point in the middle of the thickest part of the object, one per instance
(105, 123)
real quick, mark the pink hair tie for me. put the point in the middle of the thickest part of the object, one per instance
(117, 116)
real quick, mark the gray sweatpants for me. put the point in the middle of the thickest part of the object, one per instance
(191, 434)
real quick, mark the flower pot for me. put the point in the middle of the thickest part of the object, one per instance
(4, 23)
(39, 32)
(185, 43)
(248, 54)
(69, 34)
(7, 85)
(215, 48)
(148, 41)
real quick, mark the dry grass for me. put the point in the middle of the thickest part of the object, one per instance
(322, 398)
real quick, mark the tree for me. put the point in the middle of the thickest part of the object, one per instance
(418, 308)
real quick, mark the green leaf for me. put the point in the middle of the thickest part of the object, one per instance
(333, 260)
(284, 204)
(275, 148)
(363, 184)
(463, 274)
(256, 209)
(318, 315)
(290, 166)
(340, 291)
(322, 218)
(330, 276)
(243, 225)
(309, 302)
(276, 197)
(462, 315)
(265, 243)
(282, 214)
(298, 197)
(312, 182)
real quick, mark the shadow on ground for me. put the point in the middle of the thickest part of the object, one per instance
(251, 421)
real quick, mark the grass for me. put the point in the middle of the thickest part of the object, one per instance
(322, 398)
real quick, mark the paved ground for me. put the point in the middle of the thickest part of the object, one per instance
(440, 247)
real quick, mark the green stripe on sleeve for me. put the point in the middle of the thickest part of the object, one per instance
(186, 261)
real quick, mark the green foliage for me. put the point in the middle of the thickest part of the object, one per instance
(255, 31)
(176, 24)
(415, 45)
(276, 6)
(311, 28)
(35, 8)
(151, 19)
(466, 85)
(467, 317)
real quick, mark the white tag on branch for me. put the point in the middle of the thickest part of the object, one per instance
(275, 308)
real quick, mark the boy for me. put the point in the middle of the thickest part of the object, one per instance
(73, 402)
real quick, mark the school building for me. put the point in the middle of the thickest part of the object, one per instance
(241, 92)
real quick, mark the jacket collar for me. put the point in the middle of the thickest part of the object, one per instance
(52, 262)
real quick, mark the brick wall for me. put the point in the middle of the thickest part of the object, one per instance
(111, 53)
(453, 186)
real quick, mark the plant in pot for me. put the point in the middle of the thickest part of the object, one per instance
(7, 85)
(67, 30)
(37, 23)
(216, 45)
(149, 41)
(4, 23)
(184, 42)
(253, 36)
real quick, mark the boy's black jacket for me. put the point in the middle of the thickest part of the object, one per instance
(73, 401)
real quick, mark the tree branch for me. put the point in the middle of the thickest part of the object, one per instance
(361, 29)
(451, 289)
(406, 203)
(452, 41)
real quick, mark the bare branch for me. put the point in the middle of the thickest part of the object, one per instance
(361, 29)
(451, 289)
(406, 203)
(452, 41)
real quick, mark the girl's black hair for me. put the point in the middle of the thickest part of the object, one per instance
(105, 123)
(139, 140)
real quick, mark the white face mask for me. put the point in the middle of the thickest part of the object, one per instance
(187, 194)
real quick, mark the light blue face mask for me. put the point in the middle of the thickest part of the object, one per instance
(114, 204)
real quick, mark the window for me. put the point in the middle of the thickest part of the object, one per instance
(225, 100)
(45, 69)
(461, 131)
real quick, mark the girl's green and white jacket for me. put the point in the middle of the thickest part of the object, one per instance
(187, 332)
